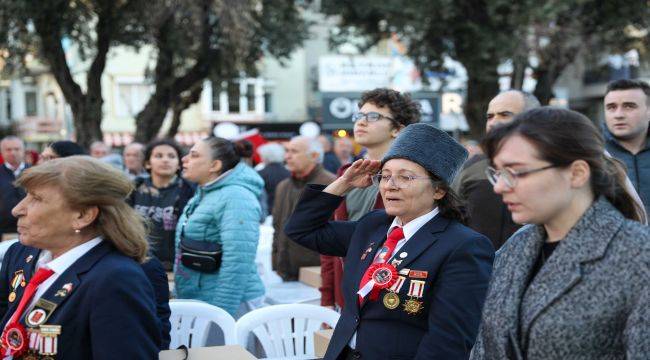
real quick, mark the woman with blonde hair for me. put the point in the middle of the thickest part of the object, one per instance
(73, 284)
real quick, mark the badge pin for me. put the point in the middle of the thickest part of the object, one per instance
(391, 300)
(404, 272)
(395, 262)
(12, 296)
(403, 254)
(368, 251)
(29, 258)
(418, 274)
(64, 291)
(36, 317)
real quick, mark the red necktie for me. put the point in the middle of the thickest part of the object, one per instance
(41, 275)
(386, 250)
(14, 322)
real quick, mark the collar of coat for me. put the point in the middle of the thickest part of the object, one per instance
(309, 177)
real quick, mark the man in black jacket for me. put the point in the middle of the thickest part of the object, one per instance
(12, 149)
(488, 215)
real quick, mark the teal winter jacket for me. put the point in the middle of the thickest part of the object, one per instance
(226, 212)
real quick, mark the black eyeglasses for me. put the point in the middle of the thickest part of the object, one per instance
(370, 116)
(509, 175)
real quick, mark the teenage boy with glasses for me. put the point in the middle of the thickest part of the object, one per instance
(383, 113)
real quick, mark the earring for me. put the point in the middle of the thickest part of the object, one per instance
(77, 231)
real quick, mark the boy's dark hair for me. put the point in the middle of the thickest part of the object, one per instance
(405, 111)
(158, 142)
(627, 84)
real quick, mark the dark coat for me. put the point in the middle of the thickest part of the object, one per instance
(487, 213)
(590, 300)
(637, 165)
(157, 276)
(162, 207)
(287, 256)
(10, 196)
(456, 263)
(272, 174)
(109, 313)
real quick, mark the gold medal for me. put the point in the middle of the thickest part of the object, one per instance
(12, 296)
(391, 300)
(30, 356)
(412, 306)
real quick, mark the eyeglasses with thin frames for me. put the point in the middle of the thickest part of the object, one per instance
(509, 175)
(399, 181)
(371, 116)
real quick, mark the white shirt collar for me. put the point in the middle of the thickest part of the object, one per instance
(16, 171)
(414, 225)
(65, 260)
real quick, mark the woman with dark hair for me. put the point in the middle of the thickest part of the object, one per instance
(59, 149)
(575, 283)
(161, 197)
(414, 277)
(217, 233)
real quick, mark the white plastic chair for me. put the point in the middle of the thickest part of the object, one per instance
(191, 319)
(285, 331)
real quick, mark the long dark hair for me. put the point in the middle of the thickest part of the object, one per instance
(561, 137)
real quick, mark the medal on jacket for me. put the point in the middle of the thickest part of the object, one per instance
(391, 299)
(382, 276)
(14, 339)
(49, 343)
(18, 280)
(413, 306)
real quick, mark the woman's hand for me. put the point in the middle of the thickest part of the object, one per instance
(358, 175)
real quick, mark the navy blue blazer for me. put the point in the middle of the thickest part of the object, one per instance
(454, 261)
(10, 196)
(109, 312)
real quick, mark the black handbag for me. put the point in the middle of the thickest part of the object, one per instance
(203, 256)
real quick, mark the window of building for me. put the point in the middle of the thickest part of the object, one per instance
(268, 100)
(131, 99)
(234, 97)
(31, 107)
(243, 96)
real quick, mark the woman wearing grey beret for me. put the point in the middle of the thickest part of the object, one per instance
(575, 283)
(414, 277)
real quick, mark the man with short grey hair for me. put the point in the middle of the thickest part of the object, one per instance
(487, 213)
(304, 157)
(12, 149)
(99, 149)
(133, 156)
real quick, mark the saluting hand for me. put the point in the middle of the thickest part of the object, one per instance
(358, 175)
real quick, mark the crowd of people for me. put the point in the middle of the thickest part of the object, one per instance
(536, 246)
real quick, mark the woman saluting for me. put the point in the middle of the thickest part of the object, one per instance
(417, 277)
